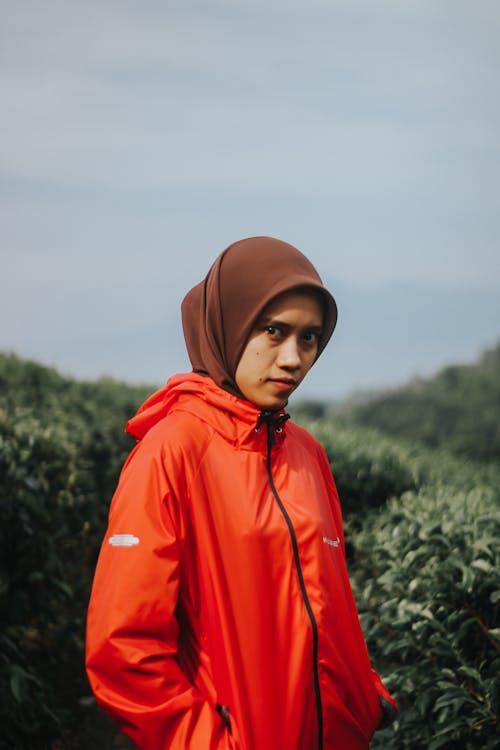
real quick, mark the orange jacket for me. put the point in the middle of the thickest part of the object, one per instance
(221, 614)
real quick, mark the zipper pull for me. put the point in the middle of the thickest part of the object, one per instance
(267, 417)
(281, 421)
(273, 426)
(223, 712)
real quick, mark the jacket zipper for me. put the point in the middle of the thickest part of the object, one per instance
(267, 418)
(223, 712)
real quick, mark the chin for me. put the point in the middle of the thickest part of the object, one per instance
(273, 405)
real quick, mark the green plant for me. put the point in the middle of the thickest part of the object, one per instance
(61, 447)
(422, 530)
(457, 409)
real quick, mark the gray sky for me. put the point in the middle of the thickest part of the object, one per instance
(139, 139)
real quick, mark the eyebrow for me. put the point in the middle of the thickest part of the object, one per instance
(270, 320)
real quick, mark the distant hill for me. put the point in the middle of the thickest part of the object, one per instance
(459, 409)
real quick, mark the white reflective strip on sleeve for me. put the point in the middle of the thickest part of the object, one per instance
(123, 540)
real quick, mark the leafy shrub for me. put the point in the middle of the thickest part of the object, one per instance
(427, 580)
(425, 570)
(37, 475)
(457, 409)
(423, 537)
(61, 447)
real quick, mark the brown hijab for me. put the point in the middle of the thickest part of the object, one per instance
(218, 314)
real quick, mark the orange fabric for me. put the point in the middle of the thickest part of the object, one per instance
(197, 599)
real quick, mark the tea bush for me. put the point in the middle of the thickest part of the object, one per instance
(61, 447)
(427, 581)
(37, 600)
(425, 568)
(423, 541)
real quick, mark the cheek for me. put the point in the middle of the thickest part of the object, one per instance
(310, 362)
(307, 363)
(256, 365)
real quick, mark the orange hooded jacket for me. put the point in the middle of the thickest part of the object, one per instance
(221, 614)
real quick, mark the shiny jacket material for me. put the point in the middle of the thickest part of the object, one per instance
(221, 614)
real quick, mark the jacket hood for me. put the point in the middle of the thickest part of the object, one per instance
(214, 405)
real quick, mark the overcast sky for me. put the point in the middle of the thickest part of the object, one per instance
(140, 139)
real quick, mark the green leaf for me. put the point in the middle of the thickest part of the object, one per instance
(481, 564)
(470, 672)
(495, 632)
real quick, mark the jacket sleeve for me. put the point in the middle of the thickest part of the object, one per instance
(132, 631)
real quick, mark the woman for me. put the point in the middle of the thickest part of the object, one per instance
(221, 614)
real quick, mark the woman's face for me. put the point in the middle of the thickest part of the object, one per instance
(280, 349)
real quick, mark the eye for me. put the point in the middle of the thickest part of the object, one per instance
(311, 337)
(274, 331)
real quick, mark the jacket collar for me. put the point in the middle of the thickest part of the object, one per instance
(235, 419)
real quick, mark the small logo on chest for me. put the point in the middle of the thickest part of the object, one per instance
(331, 542)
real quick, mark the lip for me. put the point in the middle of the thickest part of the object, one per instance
(283, 384)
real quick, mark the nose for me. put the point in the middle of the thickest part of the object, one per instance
(289, 354)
